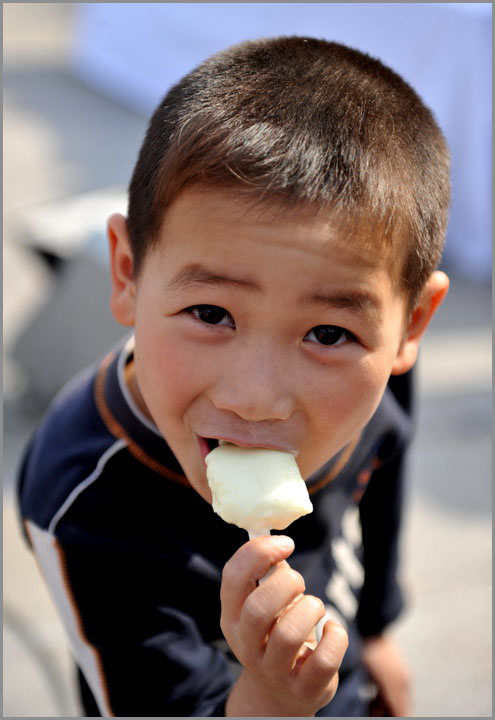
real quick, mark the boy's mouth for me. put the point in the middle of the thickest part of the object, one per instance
(206, 445)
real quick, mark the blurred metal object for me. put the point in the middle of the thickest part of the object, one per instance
(73, 326)
(70, 331)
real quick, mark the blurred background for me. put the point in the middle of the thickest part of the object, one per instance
(80, 81)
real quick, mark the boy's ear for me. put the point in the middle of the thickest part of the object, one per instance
(431, 298)
(123, 297)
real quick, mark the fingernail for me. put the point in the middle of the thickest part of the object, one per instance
(284, 542)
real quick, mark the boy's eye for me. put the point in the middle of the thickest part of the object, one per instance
(329, 335)
(212, 315)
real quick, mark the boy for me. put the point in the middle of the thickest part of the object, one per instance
(286, 215)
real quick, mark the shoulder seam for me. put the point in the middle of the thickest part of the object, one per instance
(118, 431)
(109, 453)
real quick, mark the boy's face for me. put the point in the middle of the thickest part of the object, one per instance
(259, 326)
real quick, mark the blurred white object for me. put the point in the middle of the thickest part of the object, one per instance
(73, 224)
(136, 51)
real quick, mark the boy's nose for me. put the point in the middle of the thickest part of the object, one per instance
(255, 389)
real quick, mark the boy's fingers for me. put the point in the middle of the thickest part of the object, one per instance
(262, 609)
(250, 563)
(289, 634)
(319, 673)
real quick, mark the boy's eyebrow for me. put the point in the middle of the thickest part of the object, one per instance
(195, 274)
(358, 301)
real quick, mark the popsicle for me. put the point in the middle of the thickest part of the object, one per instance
(259, 490)
(256, 489)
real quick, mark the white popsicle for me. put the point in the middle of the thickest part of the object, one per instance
(255, 488)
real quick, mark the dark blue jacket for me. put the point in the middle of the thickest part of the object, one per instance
(133, 555)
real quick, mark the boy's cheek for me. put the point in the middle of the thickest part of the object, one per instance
(164, 375)
(341, 415)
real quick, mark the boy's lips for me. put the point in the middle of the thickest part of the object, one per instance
(207, 444)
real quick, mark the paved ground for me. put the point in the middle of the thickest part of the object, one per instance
(61, 139)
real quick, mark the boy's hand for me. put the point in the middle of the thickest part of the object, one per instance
(388, 670)
(267, 625)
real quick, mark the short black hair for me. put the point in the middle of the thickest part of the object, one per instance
(304, 121)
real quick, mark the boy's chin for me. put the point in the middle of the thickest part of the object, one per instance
(199, 483)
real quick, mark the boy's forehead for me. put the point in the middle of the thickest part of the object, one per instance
(321, 230)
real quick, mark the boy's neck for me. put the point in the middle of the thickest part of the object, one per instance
(130, 380)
